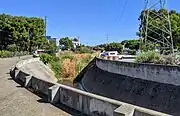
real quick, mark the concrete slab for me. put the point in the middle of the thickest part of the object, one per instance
(38, 69)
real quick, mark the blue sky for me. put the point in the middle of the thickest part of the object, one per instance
(91, 20)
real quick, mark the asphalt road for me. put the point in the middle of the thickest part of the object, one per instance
(18, 101)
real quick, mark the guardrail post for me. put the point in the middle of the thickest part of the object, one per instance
(27, 81)
(53, 94)
(16, 74)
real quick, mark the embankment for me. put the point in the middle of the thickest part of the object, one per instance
(151, 86)
(85, 102)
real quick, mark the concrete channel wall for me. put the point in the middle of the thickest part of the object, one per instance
(151, 72)
(85, 102)
(148, 94)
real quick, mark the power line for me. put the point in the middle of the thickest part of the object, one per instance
(124, 7)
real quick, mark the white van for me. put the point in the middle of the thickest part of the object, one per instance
(112, 53)
(109, 53)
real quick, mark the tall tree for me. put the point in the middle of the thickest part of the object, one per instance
(114, 47)
(25, 32)
(132, 44)
(66, 43)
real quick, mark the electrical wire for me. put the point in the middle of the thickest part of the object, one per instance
(124, 7)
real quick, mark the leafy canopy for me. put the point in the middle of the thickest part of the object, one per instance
(24, 32)
(132, 44)
(114, 47)
(66, 43)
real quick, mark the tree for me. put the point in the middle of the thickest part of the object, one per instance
(5, 39)
(132, 44)
(25, 32)
(114, 47)
(12, 48)
(124, 42)
(51, 47)
(66, 43)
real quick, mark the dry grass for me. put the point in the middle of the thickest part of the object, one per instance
(68, 68)
(71, 67)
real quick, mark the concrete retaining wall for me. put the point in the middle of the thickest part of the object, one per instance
(151, 72)
(95, 105)
(82, 101)
(148, 94)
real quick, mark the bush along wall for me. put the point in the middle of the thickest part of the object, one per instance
(53, 61)
(7, 54)
(156, 58)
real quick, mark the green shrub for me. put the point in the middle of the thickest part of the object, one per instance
(54, 58)
(148, 57)
(12, 48)
(170, 60)
(5, 54)
(85, 50)
(82, 50)
(56, 68)
(53, 61)
(45, 58)
(153, 57)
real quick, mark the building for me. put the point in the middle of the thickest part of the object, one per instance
(76, 42)
(50, 39)
(53, 40)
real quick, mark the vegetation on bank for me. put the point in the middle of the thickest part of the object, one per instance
(156, 58)
(72, 64)
(68, 65)
(53, 61)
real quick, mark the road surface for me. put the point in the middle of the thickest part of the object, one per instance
(18, 101)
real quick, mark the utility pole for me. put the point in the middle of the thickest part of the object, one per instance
(45, 20)
(107, 38)
(78, 39)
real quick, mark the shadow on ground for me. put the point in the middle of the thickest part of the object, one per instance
(44, 99)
